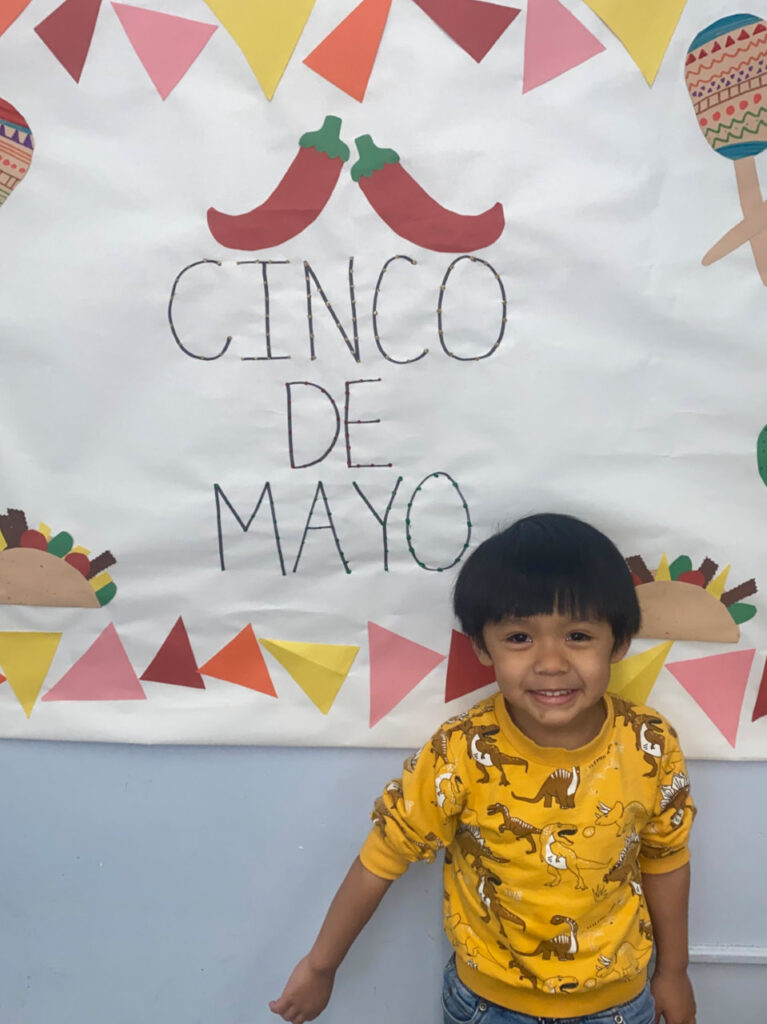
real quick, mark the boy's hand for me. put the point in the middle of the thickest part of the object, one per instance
(674, 999)
(306, 994)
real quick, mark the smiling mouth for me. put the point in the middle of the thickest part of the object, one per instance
(552, 696)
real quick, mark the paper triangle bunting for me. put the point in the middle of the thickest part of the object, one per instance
(319, 669)
(645, 28)
(555, 42)
(633, 678)
(397, 666)
(165, 44)
(241, 662)
(266, 31)
(10, 12)
(346, 57)
(760, 708)
(25, 659)
(174, 662)
(102, 673)
(474, 24)
(465, 672)
(68, 33)
(717, 684)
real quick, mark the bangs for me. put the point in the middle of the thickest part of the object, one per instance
(544, 565)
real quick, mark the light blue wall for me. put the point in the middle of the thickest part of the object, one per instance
(179, 885)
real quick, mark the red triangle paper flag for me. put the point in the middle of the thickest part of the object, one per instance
(346, 57)
(174, 662)
(717, 684)
(760, 708)
(68, 33)
(465, 672)
(102, 673)
(474, 24)
(397, 666)
(241, 662)
(555, 41)
(165, 44)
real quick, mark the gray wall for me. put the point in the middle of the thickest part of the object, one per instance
(179, 885)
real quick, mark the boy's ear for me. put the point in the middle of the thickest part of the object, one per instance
(619, 651)
(482, 655)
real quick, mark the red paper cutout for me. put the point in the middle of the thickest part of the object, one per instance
(174, 662)
(10, 12)
(241, 662)
(346, 57)
(760, 708)
(68, 32)
(474, 24)
(465, 672)
(397, 666)
(717, 684)
(555, 41)
(102, 673)
(165, 44)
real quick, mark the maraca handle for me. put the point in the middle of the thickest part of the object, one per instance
(751, 203)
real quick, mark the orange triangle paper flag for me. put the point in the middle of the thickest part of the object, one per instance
(241, 662)
(10, 12)
(346, 57)
(717, 684)
(25, 659)
(397, 666)
(465, 672)
(319, 669)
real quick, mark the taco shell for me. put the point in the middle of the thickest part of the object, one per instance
(31, 576)
(675, 610)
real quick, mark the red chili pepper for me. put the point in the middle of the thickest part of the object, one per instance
(410, 211)
(297, 200)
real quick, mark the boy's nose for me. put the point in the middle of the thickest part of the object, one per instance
(551, 661)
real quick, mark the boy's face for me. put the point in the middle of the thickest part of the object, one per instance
(552, 671)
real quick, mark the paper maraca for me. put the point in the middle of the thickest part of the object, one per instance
(726, 75)
(16, 147)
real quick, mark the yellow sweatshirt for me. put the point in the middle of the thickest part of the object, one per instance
(544, 851)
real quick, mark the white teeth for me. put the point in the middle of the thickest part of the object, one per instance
(554, 693)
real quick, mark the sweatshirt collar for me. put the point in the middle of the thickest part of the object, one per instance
(556, 757)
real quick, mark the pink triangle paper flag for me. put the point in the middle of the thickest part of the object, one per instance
(397, 666)
(555, 41)
(68, 33)
(165, 44)
(102, 673)
(717, 684)
(760, 708)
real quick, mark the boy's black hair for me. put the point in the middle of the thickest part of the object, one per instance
(543, 564)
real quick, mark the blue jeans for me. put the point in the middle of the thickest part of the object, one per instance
(461, 1006)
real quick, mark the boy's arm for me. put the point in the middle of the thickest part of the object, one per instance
(667, 897)
(308, 989)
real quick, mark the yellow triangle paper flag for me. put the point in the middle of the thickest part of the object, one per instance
(633, 678)
(266, 31)
(645, 28)
(319, 669)
(25, 659)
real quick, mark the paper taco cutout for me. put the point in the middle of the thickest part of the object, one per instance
(681, 603)
(37, 568)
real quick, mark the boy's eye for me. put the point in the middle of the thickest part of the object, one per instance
(579, 636)
(517, 638)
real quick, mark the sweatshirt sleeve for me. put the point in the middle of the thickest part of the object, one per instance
(665, 836)
(416, 815)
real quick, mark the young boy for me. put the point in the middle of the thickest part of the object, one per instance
(563, 811)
